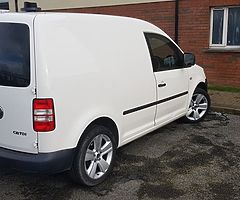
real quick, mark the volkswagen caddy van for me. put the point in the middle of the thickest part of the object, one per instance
(75, 87)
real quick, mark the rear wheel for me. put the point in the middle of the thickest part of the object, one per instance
(198, 107)
(94, 159)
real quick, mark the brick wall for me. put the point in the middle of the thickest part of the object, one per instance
(222, 68)
(194, 22)
(161, 14)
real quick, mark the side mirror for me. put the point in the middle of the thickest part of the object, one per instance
(189, 59)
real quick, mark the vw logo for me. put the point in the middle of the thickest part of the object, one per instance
(1, 112)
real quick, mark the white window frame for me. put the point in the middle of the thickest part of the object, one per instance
(225, 29)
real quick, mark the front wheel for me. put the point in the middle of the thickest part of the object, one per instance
(198, 107)
(94, 159)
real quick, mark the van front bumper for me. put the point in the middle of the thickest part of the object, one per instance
(46, 163)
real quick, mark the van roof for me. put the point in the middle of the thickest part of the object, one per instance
(49, 14)
(21, 15)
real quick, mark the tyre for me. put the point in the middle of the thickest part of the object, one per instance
(95, 156)
(198, 107)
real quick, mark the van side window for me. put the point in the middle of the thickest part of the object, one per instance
(14, 55)
(165, 55)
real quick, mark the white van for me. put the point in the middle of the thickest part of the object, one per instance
(75, 87)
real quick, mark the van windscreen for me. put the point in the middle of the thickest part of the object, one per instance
(14, 55)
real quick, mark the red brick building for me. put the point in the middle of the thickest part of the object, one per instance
(208, 28)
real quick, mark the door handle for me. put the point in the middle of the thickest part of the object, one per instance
(162, 84)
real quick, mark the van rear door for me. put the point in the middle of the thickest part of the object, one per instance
(17, 85)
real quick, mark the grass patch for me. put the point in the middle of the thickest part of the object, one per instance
(224, 88)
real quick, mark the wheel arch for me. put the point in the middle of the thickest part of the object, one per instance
(202, 85)
(102, 121)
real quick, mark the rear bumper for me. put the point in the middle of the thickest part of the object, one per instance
(46, 163)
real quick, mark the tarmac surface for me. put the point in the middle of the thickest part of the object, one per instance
(179, 161)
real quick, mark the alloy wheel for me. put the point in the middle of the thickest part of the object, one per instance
(98, 156)
(198, 107)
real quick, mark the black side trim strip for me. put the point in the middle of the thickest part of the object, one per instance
(154, 103)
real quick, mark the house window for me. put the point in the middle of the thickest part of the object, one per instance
(4, 5)
(225, 27)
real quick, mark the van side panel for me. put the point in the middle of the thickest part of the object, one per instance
(93, 67)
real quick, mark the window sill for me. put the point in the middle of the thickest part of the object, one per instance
(221, 50)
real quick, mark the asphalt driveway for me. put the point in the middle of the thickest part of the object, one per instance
(178, 161)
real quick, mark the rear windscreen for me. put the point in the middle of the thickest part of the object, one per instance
(14, 55)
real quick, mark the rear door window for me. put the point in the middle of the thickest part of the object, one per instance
(14, 55)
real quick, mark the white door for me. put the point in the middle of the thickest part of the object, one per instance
(171, 78)
(17, 83)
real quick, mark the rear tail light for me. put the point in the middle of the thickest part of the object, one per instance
(43, 115)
